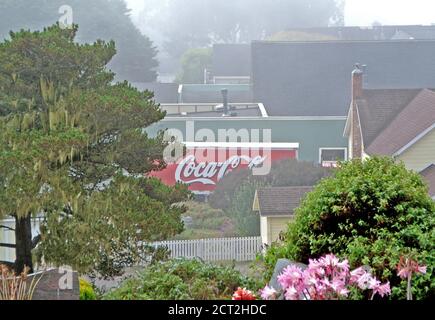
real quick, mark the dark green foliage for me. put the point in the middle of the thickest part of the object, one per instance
(235, 193)
(193, 64)
(225, 189)
(182, 280)
(98, 19)
(247, 221)
(69, 139)
(86, 291)
(285, 173)
(106, 229)
(206, 222)
(372, 213)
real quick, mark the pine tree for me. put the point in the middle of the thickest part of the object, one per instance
(68, 138)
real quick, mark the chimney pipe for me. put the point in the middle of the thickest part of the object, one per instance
(225, 101)
(357, 82)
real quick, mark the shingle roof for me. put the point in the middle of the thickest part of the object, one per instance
(406, 124)
(429, 175)
(379, 107)
(280, 201)
(313, 78)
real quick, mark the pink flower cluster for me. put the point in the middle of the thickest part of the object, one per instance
(408, 266)
(327, 278)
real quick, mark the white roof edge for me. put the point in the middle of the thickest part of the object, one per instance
(243, 145)
(273, 118)
(346, 132)
(263, 110)
(427, 167)
(414, 141)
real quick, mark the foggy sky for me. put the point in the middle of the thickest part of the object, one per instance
(397, 12)
(365, 12)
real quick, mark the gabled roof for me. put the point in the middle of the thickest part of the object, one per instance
(279, 201)
(379, 107)
(429, 175)
(405, 125)
(313, 78)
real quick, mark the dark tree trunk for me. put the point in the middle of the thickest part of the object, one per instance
(23, 240)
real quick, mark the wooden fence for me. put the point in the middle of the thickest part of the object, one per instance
(225, 249)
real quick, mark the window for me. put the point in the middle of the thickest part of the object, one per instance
(329, 157)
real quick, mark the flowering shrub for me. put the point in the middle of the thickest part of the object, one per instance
(243, 294)
(371, 212)
(87, 291)
(405, 269)
(182, 279)
(327, 278)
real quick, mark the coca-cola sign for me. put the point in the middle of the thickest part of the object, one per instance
(189, 171)
(201, 169)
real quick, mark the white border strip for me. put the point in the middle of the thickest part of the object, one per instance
(333, 148)
(242, 145)
(263, 110)
(273, 118)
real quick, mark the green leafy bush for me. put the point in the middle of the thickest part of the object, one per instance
(193, 63)
(87, 291)
(182, 280)
(235, 192)
(207, 222)
(371, 212)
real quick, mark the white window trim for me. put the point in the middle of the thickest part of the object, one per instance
(332, 148)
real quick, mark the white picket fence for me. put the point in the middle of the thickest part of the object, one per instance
(220, 249)
(223, 249)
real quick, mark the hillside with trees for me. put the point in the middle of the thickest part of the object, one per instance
(107, 20)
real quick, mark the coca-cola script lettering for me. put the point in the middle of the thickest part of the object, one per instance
(202, 168)
(189, 171)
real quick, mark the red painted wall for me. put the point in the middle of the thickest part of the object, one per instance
(202, 168)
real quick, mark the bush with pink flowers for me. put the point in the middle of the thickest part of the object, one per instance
(330, 278)
(327, 278)
(370, 212)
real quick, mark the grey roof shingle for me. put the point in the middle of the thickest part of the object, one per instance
(280, 201)
(379, 107)
(313, 78)
(406, 125)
